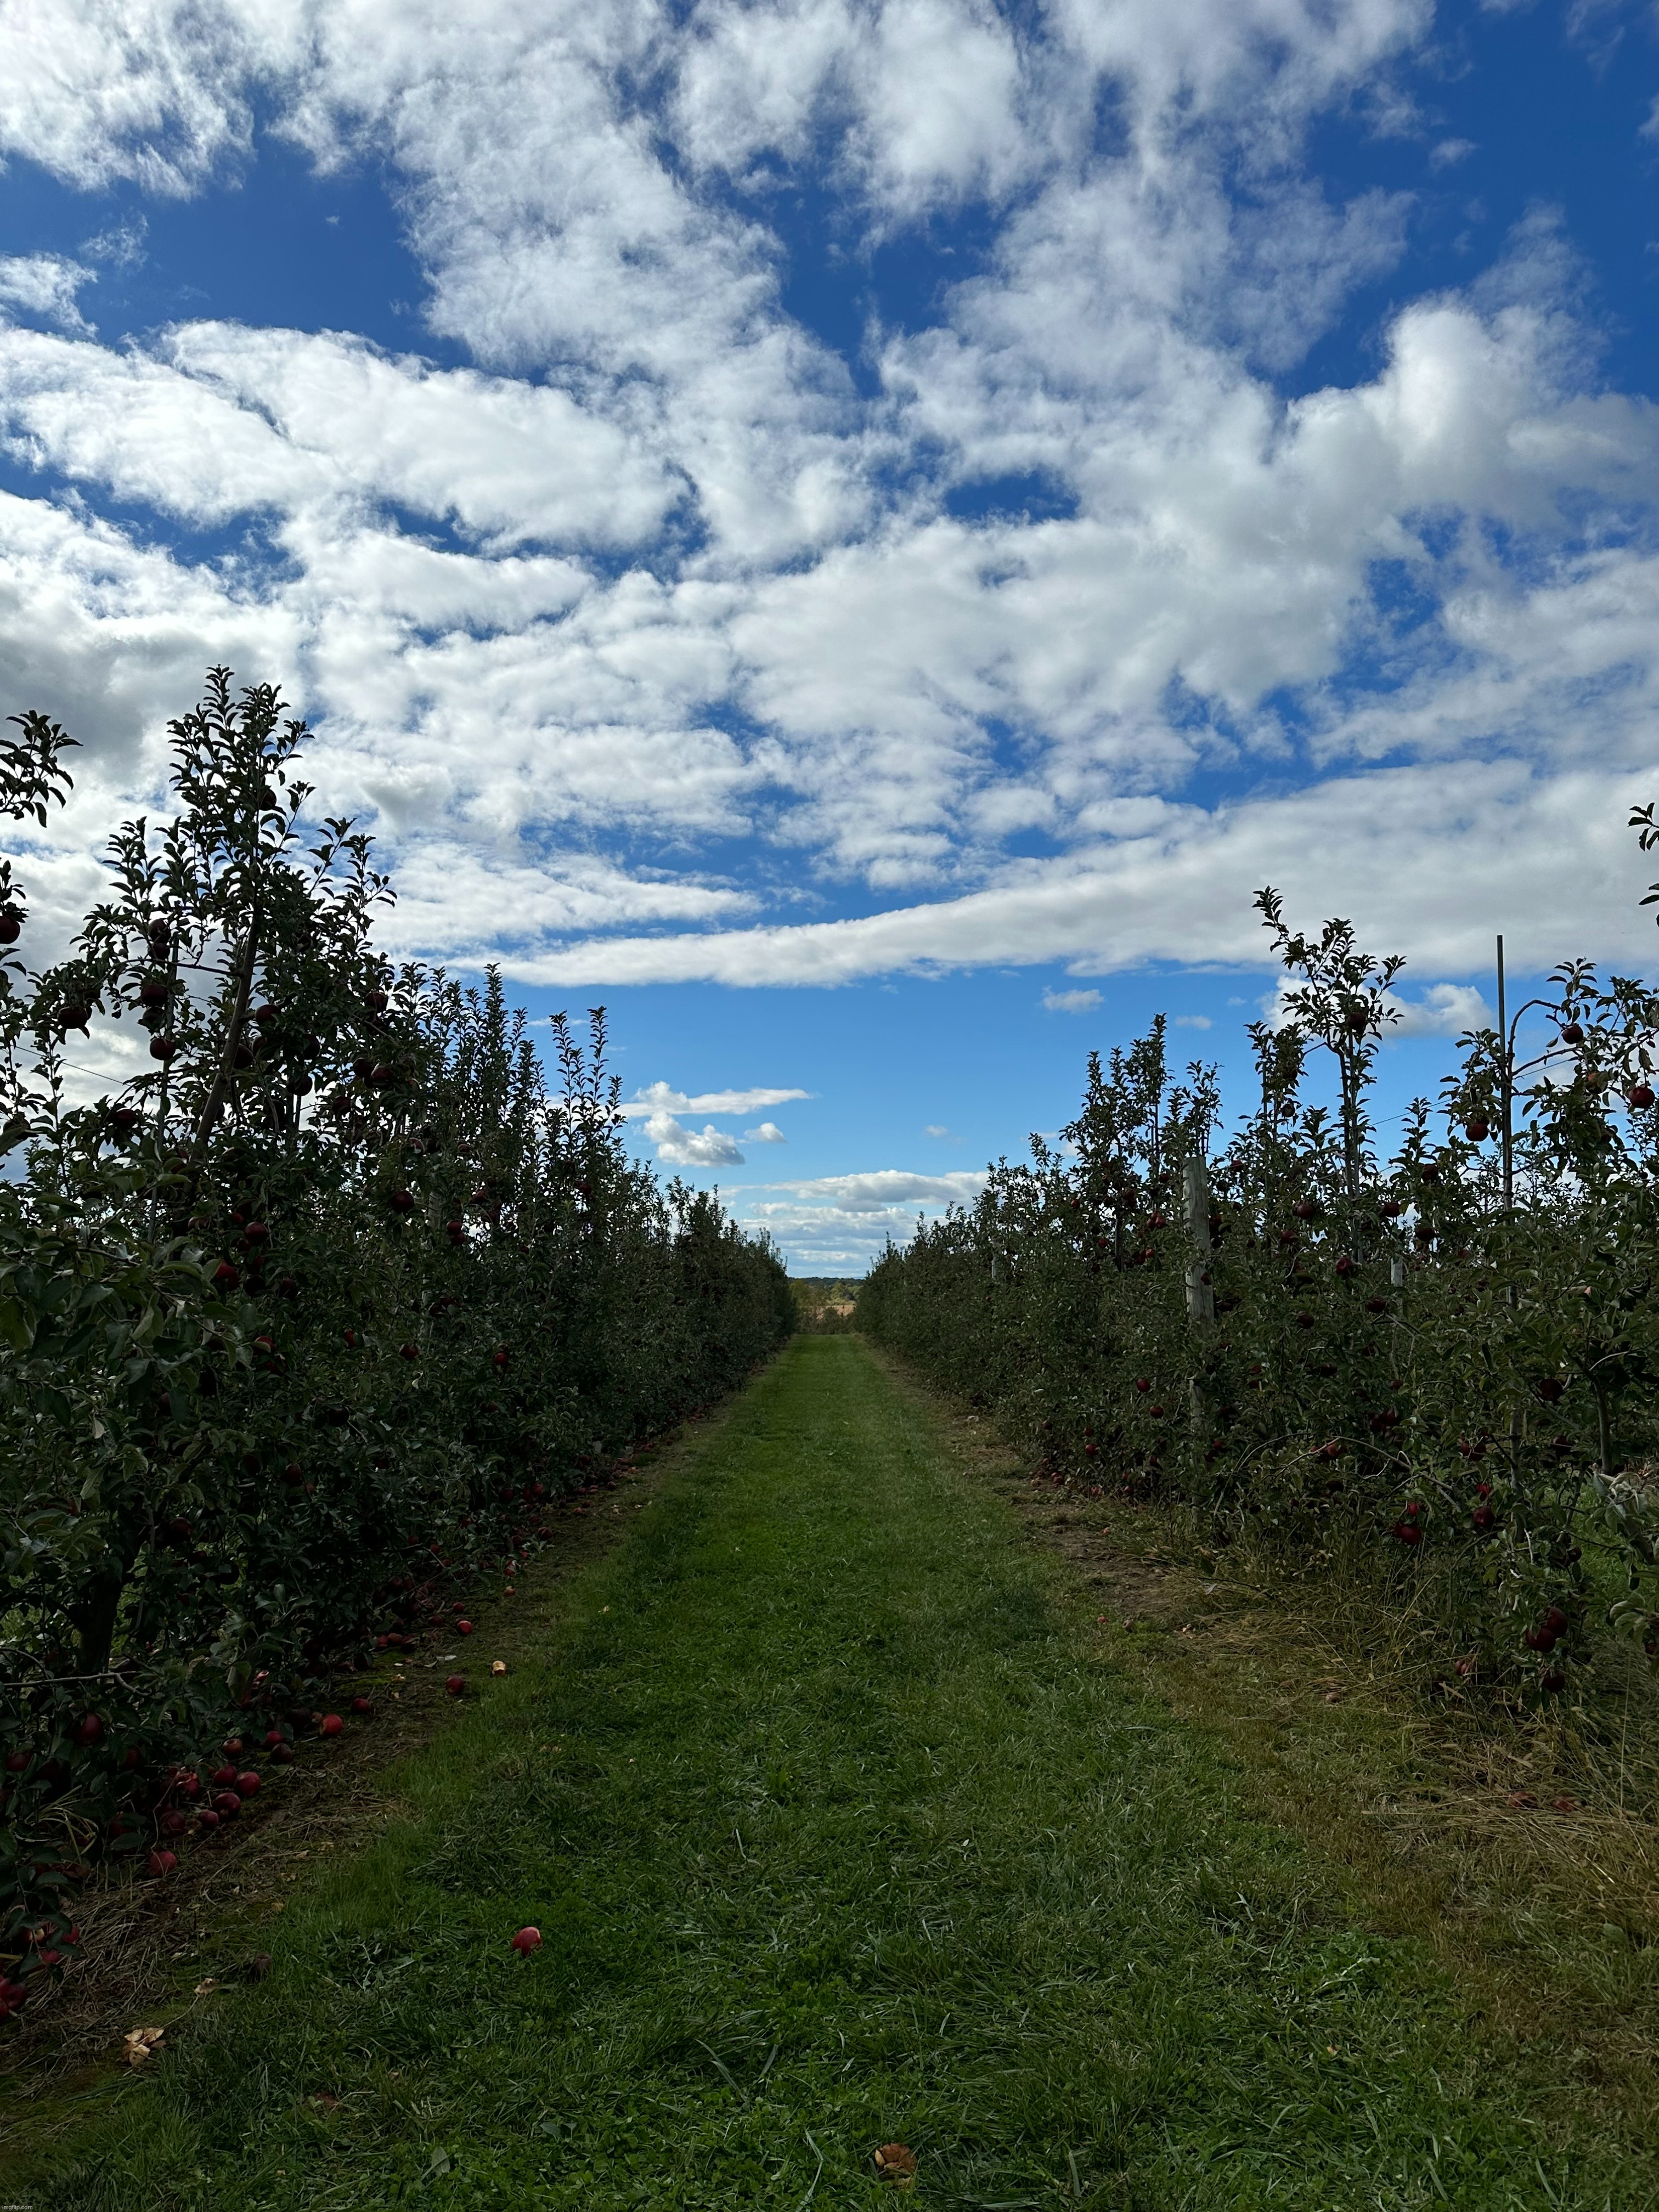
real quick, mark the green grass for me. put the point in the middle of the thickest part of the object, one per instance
(836, 1832)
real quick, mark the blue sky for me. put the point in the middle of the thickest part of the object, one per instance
(858, 535)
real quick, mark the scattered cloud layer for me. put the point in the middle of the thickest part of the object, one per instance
(670, 639)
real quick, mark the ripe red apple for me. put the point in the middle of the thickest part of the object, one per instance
(248, 1784)
(455, 1684)
(464, 1628)
(1641, 1094)
(1572, 1033)
(330, 1724)
(1143, 1382)
(207, 1818)
(173, 1823)
(160, 1862)
(1476, 1129)
(223, 1778)
(282, 1753)
(90, 1729)
(362, 1705)
(1346, 1266)
(410, 1350)
(227, 1804)
(526, 1940)
(16, 1762)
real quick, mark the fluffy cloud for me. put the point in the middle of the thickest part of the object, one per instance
(1071, 1002)
(765, 1133)
(44, 284)
(1444, 1010)
(707, 1147)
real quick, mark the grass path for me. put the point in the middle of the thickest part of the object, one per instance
(837, 1832)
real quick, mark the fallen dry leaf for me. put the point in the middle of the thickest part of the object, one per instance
(1521, 1800)
(206, 1989)
(498, 1666)
(140, 2042)
(1564, 1804)
(896, 2162)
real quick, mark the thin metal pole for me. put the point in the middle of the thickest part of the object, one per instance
(1506, 1081)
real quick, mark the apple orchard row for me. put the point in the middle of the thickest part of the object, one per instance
(302, 1328)
(1436, 1373)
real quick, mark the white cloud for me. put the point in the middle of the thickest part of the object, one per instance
(766, 1133)
(1192, 1022)
(707, 1147)
(1444, 1010)
(153, 90)
(1071, 1002)
(45, 285)
(663, 1098)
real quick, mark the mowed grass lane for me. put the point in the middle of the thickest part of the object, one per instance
(835, 1833)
